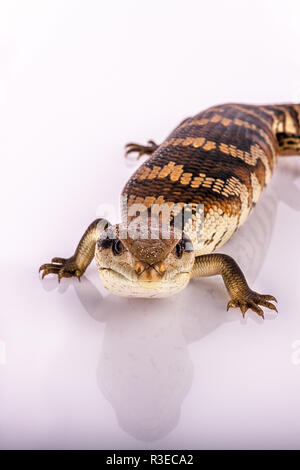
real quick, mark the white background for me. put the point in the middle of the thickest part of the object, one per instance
(83, 369)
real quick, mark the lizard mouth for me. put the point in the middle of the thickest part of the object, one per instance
(122, 285)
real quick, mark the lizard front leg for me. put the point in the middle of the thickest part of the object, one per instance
(241, 294)
(84, 253)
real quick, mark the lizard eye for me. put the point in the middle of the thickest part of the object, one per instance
(183, 245)
(180, 248)
(117, 247)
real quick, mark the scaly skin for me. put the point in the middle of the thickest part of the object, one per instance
(222, 158)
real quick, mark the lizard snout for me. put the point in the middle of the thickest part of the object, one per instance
(148, 272)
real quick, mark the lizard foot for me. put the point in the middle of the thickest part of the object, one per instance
(141, 149)
(62, 267)
(252, 300)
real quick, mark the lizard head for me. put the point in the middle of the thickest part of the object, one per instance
(154, 263)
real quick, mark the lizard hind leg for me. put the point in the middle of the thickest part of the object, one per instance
(141, 149)
(241, 294)
(76, 265)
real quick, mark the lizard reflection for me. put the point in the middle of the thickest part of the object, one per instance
(145, 370)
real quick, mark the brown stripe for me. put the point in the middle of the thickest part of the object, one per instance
(251, 113)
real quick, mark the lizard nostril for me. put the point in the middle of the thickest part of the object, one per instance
(162, 268)
(139, 268)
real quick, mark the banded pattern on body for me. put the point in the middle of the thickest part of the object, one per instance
(223, 158)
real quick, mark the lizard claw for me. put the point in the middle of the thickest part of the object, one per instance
(62, 267)
(252, 300)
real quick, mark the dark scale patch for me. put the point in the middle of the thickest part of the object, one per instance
(281, 137)
(208, 242)
(260, 112)
(288, 142)
(221, 239)
(251, 114)
(196, 130)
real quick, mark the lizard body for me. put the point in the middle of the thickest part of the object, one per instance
(222, 158)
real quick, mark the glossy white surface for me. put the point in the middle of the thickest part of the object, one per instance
(80, 368)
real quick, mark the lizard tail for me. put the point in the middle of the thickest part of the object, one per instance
(286, 127)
